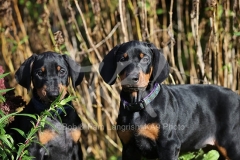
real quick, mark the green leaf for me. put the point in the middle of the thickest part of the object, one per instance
(5, 90)
(5, 117)
(20, 150)
(25, 152)
(56, 101)
(20, 132)
(187, 156)
(4, 75)
(7, 140)
(28, 115)
(199, 155)
(113, 158)
(43, 121)
(49, 114)
(237, 34)
(148, 6)
(211, 155)
(21, 2)
(62, 47)
(24, 40)
(32, 132)
(160, 11)
(66, 100)
(2, 99)
(220, 11)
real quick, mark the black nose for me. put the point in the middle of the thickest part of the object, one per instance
(133, 77)
(52, 96)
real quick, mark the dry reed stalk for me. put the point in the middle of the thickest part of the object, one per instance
(123, 19)
(171, 34)
(195, 31)
(180, 39)
(135, 15)
(21, 24)
(86, 30)
(144, 24)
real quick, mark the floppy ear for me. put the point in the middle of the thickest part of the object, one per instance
(108, 66)
(23, 74)
(74, 70)
(160, 65)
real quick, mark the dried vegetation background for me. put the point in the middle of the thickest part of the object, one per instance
(200, 39)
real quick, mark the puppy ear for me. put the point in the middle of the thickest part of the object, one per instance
(23, 74)
(108, 66)
(75, 71)
(160, 65)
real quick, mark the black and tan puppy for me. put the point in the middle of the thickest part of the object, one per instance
(159, 121)
(56, 142)
(50, 74)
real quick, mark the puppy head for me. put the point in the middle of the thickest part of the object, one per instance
(134, 65)
(137, 63)
(56, 141)
(49, 73)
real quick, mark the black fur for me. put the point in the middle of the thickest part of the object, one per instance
(180, 118)
(49, 73)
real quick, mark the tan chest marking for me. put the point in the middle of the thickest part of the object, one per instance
(222, 150)
(75, 134)
(149, 130)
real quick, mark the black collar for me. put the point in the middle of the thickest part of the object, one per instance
(138, 106)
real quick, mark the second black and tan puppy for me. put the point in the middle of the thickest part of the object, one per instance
(50, 75)
(159, 121)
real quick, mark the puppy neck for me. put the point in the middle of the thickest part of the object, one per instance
(133, 96)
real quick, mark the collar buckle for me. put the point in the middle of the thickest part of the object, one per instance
(138, 106)
(135, 107)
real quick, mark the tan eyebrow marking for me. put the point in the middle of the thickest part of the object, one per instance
(43, 69)
(125, 55)
(141, 55)
(58, 68)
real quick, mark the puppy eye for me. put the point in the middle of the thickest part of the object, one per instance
(123, 59)
(62, 72)
(144, 59)
(40, 73)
